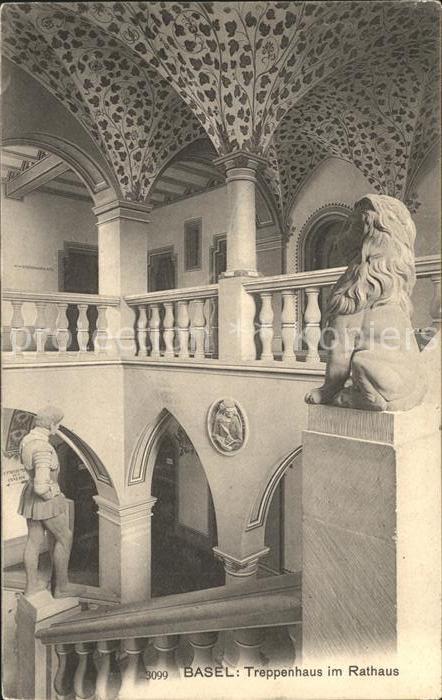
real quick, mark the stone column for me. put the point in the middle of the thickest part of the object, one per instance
(125, 548)
(122, 262)
(238, 570)
(236, 307)
(241, 170)
(371, 534)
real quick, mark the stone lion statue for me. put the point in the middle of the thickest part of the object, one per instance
(373, 358)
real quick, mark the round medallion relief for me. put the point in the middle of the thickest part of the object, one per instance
(227, 426)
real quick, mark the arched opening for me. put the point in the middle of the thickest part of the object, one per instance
(320, 247)
(183, 523)
(278, 510)
(78, 485)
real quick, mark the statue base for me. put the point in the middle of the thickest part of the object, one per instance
(34, 659)
(370, 532)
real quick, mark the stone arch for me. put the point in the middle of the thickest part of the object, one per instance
(328, 213)
(189, 540)
(101, 187)
(258, 514)
(142, 462)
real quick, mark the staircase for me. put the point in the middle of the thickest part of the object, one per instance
(118, 651)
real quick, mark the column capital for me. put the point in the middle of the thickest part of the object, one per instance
(241, 160)
(122, 209)
(124, 513)
(240, 568)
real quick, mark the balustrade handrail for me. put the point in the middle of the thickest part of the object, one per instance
(60, 297)
(268, 602)
(183, 294)
(426, 266)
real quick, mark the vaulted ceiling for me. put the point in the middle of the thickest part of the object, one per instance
(297, 82)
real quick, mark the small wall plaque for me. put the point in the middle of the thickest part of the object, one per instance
(227, 426)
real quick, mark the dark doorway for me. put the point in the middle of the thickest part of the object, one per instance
(78, 274)
(161, 270)
(79, 271)
(77, 484)
(322, 251)
(182, 557)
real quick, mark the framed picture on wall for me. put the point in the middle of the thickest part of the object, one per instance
(192, 244)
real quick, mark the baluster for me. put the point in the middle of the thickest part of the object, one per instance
(295, 634)
(61, 328)
(183, 328)
(154, 331)
(142, 324)
(312, 330)
(209, 330)
(133, 673)
(202, 645)
(197, 329)
(435, 307)
(166, 647)
(288, 325)
(41, 330)
(249, 643)
(169, 330)
(266, 326)
(64, 677)
(108, 677)
(82, 327)
(86, 674)
(101, 335)
(17, 327)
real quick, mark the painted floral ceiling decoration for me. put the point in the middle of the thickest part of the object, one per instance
(123, 104)
(297, 82)
(382, 118)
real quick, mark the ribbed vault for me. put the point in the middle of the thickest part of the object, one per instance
(297, 82)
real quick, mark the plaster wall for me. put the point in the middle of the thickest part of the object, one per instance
(166, 228)
(34, 230)
(337, 181)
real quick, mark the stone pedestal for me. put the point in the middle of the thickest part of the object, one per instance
(34, 659)
(370, 497)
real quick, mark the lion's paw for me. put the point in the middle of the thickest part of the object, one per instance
(313, 396)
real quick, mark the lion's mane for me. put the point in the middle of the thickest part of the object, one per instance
(384, 273)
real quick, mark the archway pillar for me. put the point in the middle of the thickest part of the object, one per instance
(241, 168)
(240, 569)
(122, 265)
(236, 308)
(125, 548)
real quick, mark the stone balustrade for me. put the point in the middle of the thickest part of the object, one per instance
(117, 653)
(43, 324)
(177, 323)
(288, 317)
(273, 320)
